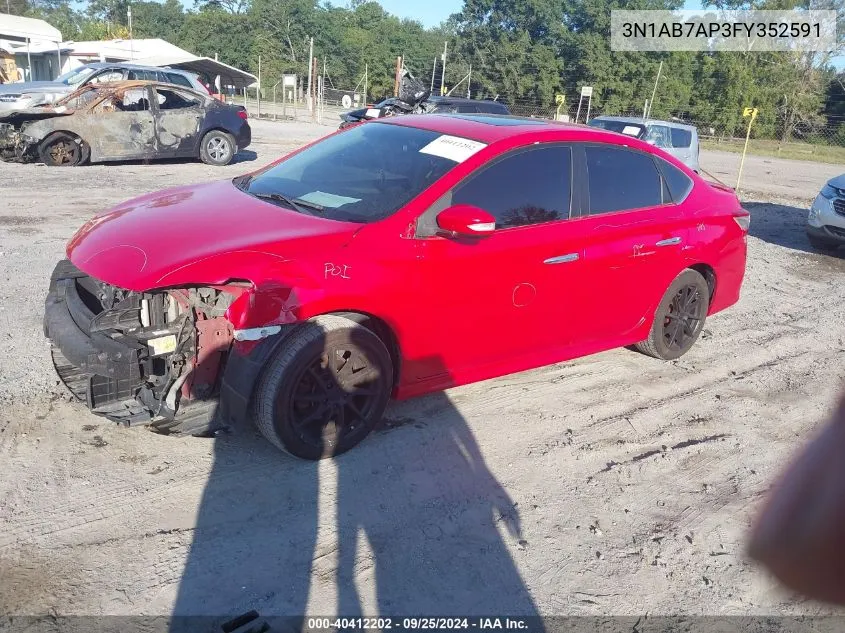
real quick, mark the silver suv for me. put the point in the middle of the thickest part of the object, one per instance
(23, 95)
(826, 220)
(678, 139)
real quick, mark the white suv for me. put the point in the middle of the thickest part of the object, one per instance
(826, 220)
(23, 95)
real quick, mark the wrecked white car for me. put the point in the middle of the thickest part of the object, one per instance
(125, 121)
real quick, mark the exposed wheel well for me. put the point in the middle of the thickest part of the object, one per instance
(709, 275)
(383, 331)
(85, 147)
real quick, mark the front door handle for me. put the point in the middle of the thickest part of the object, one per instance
(562, 259)
(669, 242)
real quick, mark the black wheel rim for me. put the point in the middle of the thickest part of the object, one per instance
(63, 153)
(334, 398)
(683, 318)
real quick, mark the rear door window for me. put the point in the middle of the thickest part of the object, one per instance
(620, 179)
(142, 75)
(659, 135)
(176, 99)
(527, 187)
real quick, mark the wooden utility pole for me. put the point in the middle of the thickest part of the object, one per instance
(433, 70)
(443, 74)
(310, 103)
(654, 92)
(396, 76)
(313, 73)
(469, 81)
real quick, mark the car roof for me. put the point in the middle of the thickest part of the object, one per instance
(136, 67)
(640, 121)
(444, 99)
(490, 128)
(137, 83)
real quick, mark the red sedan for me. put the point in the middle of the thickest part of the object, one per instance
(393, 258)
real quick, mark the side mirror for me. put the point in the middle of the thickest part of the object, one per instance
(466, 220)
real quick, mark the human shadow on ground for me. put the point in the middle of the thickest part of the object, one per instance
(439, 528)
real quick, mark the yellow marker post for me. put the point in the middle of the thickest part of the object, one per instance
(559, 100)
(747, 112)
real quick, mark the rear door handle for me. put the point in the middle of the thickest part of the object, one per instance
(562, 259)
(669, 242)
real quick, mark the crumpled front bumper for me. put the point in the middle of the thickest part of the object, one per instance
(14, 145)
(102, 372)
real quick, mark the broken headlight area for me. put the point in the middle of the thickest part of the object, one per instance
(140, 357)
(15, 145)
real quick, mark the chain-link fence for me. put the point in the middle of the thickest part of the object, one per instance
(823, 139)
(820, 137)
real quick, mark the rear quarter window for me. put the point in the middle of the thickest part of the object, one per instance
(179, 80)
(678, 182)
(681, 137)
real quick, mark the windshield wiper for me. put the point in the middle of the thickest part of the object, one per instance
(241, 182)
(296, 206)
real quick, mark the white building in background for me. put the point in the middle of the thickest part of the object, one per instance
(30, 49)
(80, 53)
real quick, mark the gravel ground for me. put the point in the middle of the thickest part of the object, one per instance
(614, 484)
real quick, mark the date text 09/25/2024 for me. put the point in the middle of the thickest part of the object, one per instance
(419, 624)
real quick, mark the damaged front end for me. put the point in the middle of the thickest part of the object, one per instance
(140, 358)
(15, 144)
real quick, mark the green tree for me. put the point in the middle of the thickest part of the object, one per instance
(158, 19)
(214, 31)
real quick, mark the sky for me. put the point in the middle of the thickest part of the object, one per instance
(433, 12)
(429, 12)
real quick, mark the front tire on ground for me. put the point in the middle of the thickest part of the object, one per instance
(679, 317)
(218, 148)
(62, 150)
(325, 389)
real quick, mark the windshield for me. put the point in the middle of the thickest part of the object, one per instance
(74, 77)
(364, 174)
(629, 128)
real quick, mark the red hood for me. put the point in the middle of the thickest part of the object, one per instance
(199, 234)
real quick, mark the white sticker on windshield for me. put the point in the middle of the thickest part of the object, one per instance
(631, 130)
(453, 148)
(328, 200)
(372, 113)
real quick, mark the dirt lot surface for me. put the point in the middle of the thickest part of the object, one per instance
(614, 484)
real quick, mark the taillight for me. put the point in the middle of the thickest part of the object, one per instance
(744, 221)
(243, 114)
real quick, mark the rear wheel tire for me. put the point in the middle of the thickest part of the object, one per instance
(679, 317)
(63, 150)
(218, 148)
(821, 244)
(325, 389)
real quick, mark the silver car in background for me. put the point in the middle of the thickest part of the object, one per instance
(826, 220)
(27, 94)
(678, 139)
